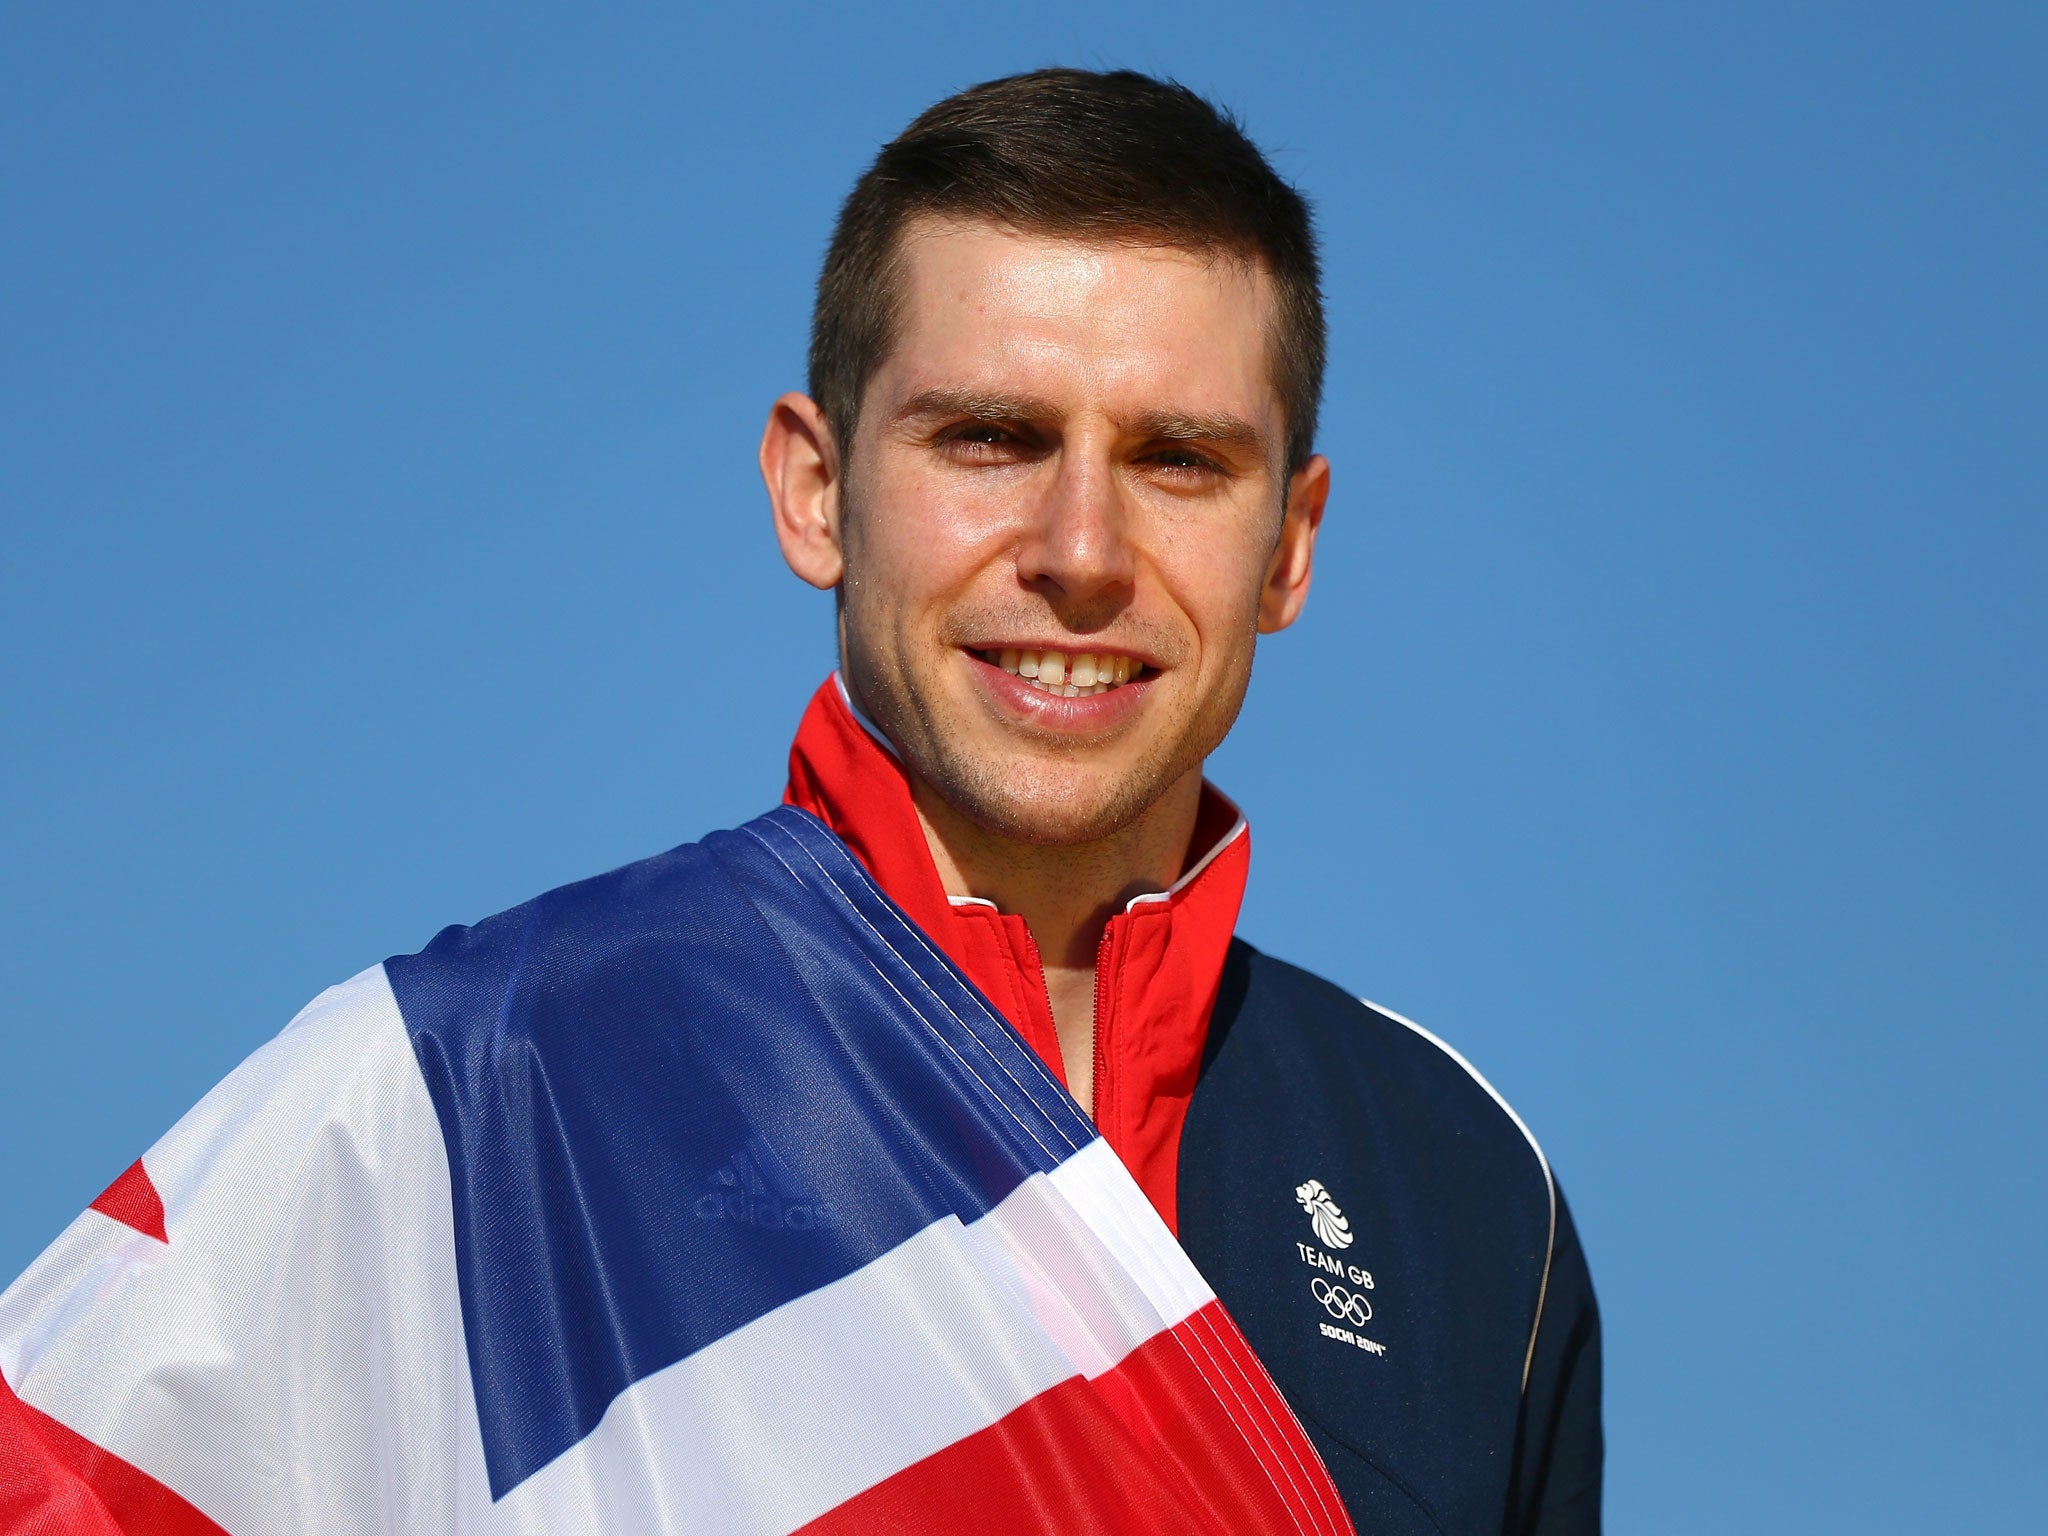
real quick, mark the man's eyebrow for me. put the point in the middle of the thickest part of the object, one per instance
(1180, 427)
(976, 404)
(1164, 426)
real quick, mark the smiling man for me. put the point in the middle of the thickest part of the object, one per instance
(925, 1155)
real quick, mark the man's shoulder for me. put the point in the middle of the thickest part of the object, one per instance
(1295, 1010)
(607, 909)
(581, 968)
(1286, 1035)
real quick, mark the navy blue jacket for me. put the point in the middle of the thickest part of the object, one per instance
(1438, 1335)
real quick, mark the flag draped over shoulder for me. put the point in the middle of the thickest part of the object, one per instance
(704, 1196)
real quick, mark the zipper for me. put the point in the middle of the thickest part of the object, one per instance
(1098, 1016)
(1052, 1020)
(1099, 1021)
(1032, 964)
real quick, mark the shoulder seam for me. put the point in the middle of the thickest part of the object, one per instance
(1549, 1181)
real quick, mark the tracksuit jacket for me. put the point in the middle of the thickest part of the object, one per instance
(1383, 1227)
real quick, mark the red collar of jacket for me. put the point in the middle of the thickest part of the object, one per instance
(1156, 974)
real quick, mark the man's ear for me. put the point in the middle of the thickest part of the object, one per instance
(1287, 573)
(800, 465)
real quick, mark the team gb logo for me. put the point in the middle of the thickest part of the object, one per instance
(1331, 1227)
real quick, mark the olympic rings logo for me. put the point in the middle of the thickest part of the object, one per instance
(1340, 1303)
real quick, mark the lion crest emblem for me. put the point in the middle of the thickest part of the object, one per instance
(1332, 1230)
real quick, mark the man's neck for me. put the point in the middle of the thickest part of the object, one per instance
(1066, 895)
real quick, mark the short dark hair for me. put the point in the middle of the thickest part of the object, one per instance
(1112, 155)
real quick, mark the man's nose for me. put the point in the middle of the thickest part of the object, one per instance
(1077, 549)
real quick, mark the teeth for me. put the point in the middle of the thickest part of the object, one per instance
(1070, 677)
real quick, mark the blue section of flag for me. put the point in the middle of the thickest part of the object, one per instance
(681, 1094)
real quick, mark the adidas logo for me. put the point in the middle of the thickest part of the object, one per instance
(757, 1188)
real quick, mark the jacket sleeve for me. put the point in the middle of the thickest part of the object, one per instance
(1559, 1447)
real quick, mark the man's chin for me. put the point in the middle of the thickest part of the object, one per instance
(1047, 810)
(1043, 827)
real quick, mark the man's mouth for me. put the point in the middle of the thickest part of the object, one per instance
(1067, 674)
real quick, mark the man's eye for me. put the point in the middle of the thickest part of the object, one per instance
(981, 442)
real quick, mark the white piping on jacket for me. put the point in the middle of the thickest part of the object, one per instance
(1549, 1183)
(1237, 830)
(861, 716)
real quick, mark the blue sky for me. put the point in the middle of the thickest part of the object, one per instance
(382, 545)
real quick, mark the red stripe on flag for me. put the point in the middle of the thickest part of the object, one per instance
(55, 1482)
(133, 1200)
(1171, 1441)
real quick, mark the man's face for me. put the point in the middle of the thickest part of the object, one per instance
(1074, 453)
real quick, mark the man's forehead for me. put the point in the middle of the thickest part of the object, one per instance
(988, 308)
(943, 258)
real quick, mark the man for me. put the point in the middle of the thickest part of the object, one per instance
(828, 1174)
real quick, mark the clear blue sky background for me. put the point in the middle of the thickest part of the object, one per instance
(382, 545)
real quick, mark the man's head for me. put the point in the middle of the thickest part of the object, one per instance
(1065, 367)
